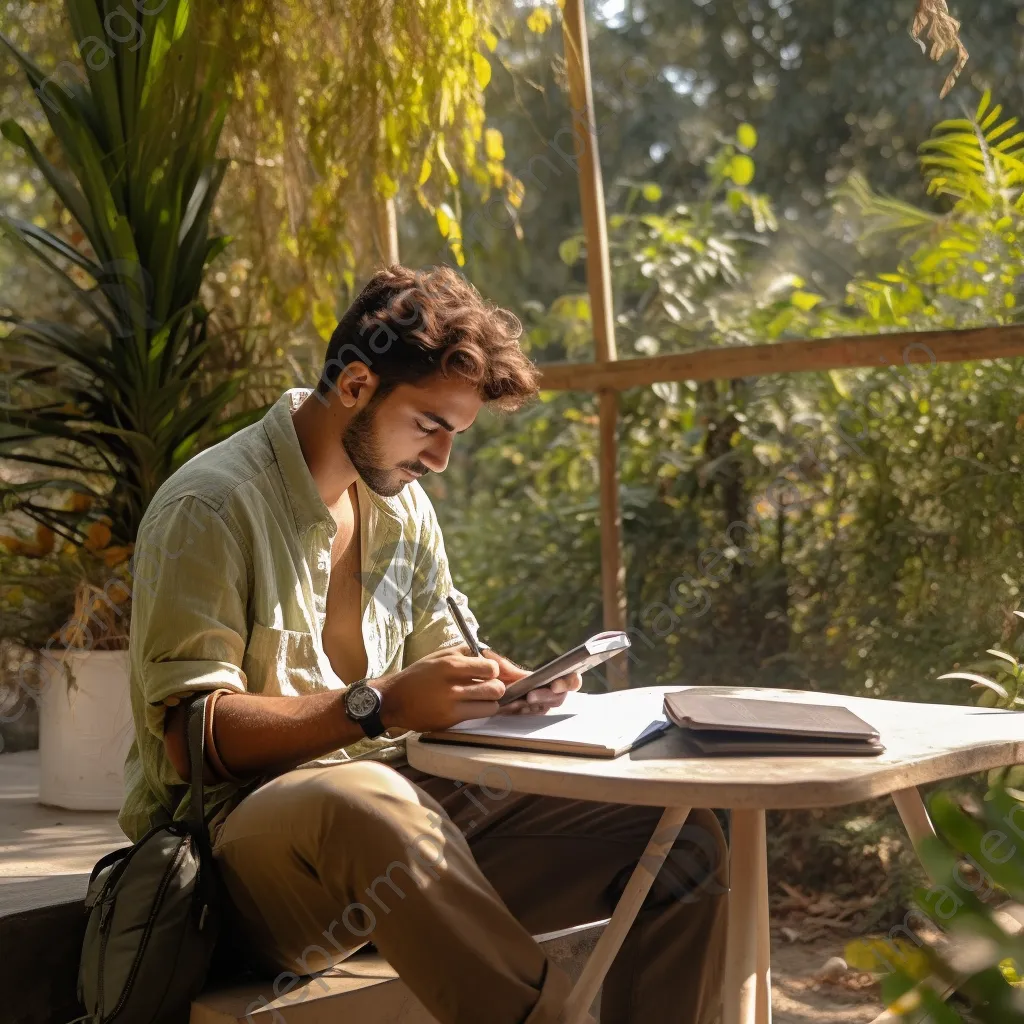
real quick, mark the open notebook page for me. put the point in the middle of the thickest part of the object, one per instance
(608, 719)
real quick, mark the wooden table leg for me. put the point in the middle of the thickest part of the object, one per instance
(763, 1005)
(747, 998)
(914, 814)
(640, 882)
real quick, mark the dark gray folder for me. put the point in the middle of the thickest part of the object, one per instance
(720, 724)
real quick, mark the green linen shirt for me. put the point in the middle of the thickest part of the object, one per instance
(231, 569)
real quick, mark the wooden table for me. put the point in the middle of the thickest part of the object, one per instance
(924, 743)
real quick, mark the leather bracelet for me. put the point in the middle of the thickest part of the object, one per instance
(211, 747)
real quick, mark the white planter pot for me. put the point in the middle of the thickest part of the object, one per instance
(85, 730)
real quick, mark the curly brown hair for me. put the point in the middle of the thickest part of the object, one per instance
(406, 325)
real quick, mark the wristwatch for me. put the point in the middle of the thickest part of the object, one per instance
(362, 705)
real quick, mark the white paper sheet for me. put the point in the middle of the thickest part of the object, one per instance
(608, 719)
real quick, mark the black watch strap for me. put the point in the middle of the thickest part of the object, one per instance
(370, 724)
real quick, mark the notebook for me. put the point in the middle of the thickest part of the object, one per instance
(720, 724)
(586, 724)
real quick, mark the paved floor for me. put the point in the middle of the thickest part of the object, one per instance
(46, 853)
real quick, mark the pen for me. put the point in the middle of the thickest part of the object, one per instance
(463, 628)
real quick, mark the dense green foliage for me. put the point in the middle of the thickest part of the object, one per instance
(975, 865)
(854, 530)
(285, 124)
(866, 521)
(124, 386)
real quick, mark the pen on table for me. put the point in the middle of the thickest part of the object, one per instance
(463, 628)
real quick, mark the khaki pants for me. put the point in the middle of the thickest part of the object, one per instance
(451, 881)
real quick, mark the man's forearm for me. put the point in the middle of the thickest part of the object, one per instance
(256, 734)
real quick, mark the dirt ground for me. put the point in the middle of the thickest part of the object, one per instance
(811, 982)
(801, 994)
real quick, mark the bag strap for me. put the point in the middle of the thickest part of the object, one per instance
(196, 727)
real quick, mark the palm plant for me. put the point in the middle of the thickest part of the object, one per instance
(976, 963)
(110, 402)
(1007, 689)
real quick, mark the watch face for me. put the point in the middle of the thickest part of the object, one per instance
(361, 701)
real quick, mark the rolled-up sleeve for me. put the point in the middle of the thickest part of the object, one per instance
(188, 628)
(433, 626)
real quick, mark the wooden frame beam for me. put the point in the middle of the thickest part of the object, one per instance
(880, 350)
(599, 286)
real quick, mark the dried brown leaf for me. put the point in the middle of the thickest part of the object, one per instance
(943, 34)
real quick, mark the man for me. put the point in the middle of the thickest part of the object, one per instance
(297, 573)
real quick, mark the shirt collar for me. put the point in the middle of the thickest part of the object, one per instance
(308, 507)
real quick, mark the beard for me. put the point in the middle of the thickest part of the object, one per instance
(364, 451)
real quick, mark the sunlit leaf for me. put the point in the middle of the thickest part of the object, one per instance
(444, 220)
(494, 144)
(978, 679)
(1003, 655)
(539, 20)
(746, 136)
(482, 69)
(569, 251)
(741, 169)
(805, 301)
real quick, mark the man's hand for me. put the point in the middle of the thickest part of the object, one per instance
(536, 702)
(440, 690)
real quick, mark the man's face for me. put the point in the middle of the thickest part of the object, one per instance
(409, 432)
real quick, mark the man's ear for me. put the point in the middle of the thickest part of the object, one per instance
(356, 381)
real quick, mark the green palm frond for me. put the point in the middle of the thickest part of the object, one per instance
(881, 214)
(978, 161)
(127, 395)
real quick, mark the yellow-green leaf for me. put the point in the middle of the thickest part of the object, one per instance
(444, 221)
(180, 22)
(324, 319)
(838, 384)
(490, 40)
(385, 185)
(1008, 968)
(482, 69)
(746, 136)
(569, 251)
(741, 169)
(539, 20)
(295, 304)
(442, 155)
(983, 105)
(805, 301)
(652, 192)
(494, 144)
(881, 955)
(424, 172)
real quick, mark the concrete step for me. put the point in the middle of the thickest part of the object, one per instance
(46, 854)
(364, 989)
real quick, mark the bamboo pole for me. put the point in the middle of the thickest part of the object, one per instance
(908, 351)
(386, 233)
(581, 99)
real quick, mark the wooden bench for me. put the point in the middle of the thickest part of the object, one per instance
(41, 939)
(364, 988)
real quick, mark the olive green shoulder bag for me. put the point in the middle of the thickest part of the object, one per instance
(153, 915)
